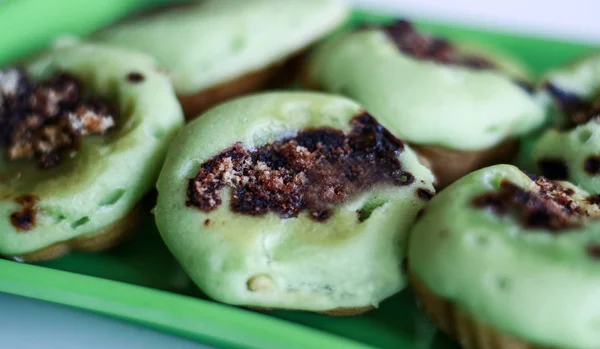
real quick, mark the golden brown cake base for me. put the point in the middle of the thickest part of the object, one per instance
(469, 332)
(347, 311)
(333, 312)
(278, 75)
(448, 165)
(96, 242)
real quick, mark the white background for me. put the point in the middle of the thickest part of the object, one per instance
(26, 324)
(566, 19)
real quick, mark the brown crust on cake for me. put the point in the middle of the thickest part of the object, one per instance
(448, 165)
(332, 312)
(458, 324)
(99, 241)
(278, 75)
(347, 311)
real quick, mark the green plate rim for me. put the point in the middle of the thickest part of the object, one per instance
(182, 315)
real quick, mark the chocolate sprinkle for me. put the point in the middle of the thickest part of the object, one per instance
(555, 169)
(24, 219)
(550, 207)
(45, 120)
(314, 171)
(135, 77)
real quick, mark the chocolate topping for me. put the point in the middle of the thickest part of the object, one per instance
(312, 171)
(24, 219)
(546, 205)
(592, 165)
(429, 48)
(424, 47)
(555, 169)
(578, 110)
(44, 120)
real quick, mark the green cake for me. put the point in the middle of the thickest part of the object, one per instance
(300, 201)
(214, 50)
(501, 258)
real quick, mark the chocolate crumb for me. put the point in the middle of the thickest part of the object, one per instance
(207, 222)
(314, 171)
(44, 120)
(593, 250)
(25, 219)
(592, 165)
(428, 48)
(321, 216)
(425, 194)
(594, 199)
(135, 77)
(548, 205)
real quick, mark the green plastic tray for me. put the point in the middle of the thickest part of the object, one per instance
(142, 283)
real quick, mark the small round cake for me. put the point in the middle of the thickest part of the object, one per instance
(83, 133)
(298, 201)
(215, 50)
(460, 108)
(571, 149)
(501, 260)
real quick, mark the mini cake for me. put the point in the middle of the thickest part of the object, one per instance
(299, 201)
(215, 50)
(459, 108)
(83, 133)
(501, 260)
(571, 150)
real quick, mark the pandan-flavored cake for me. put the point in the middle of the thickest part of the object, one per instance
(83, 132)
(502, 260)
(300, 201)
(215, 50)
